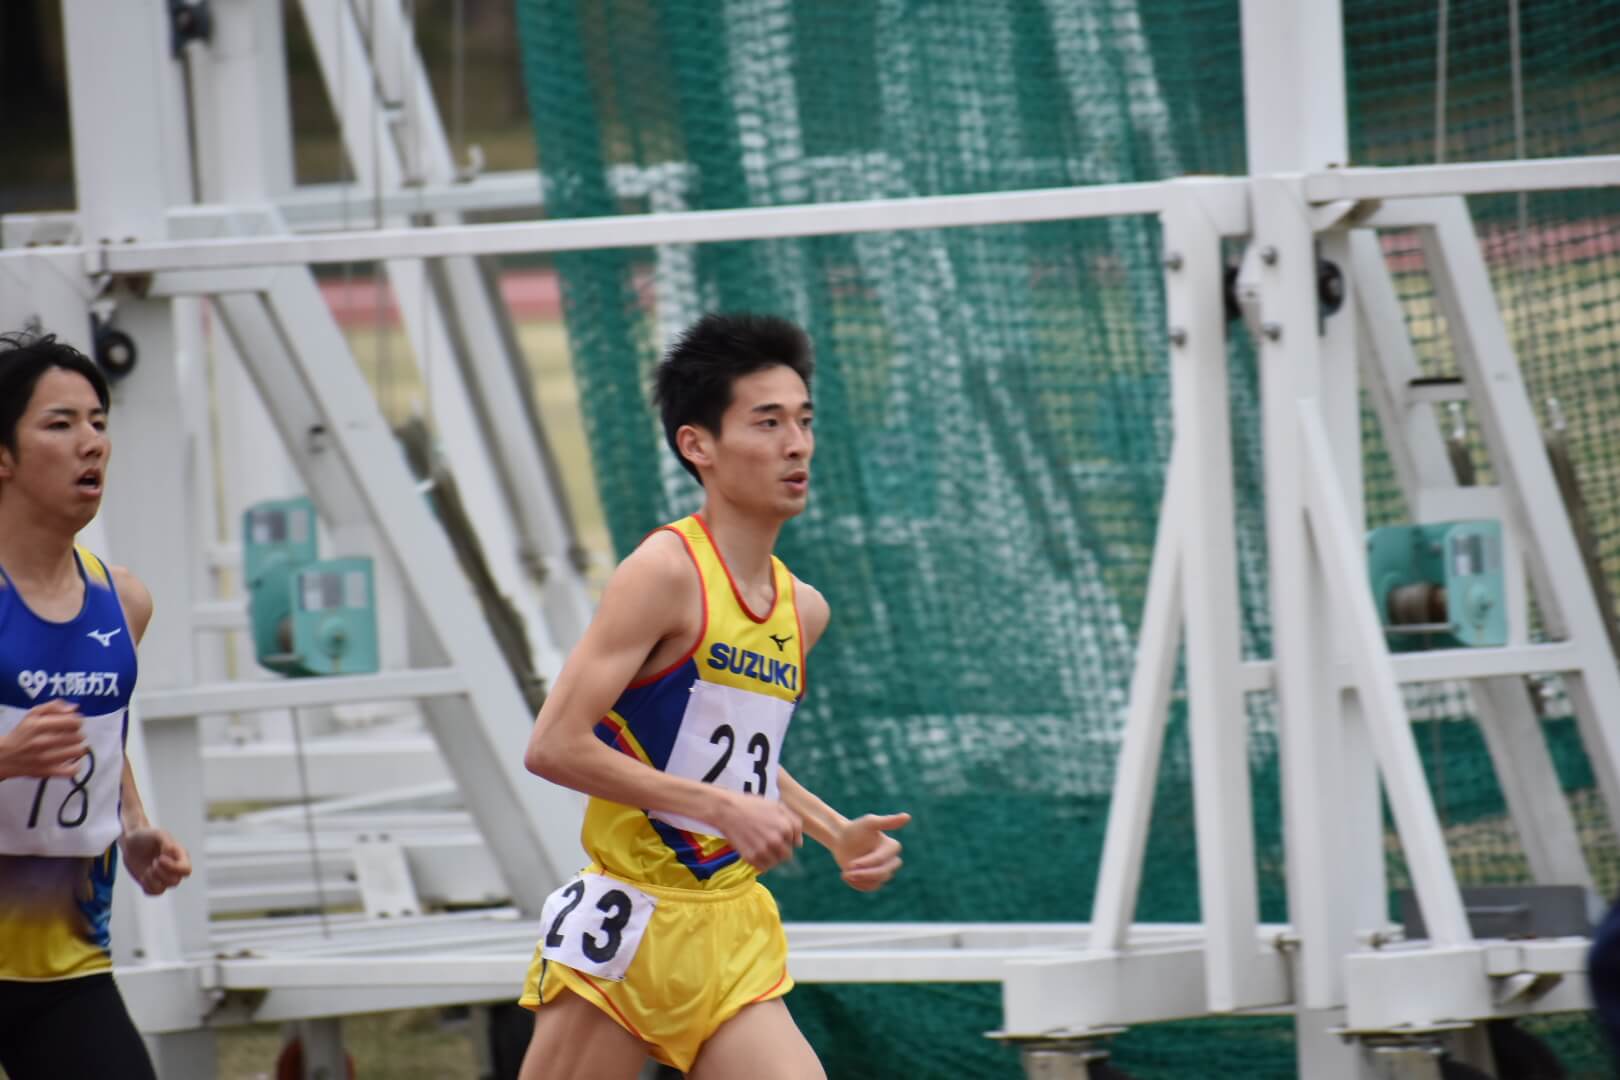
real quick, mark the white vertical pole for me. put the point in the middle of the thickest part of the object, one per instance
(1217, 719)
(1293, 85)
(1312, 729)
(244, 143)
(244, 120)
(1295, 121)
(131, 163)
(1363, 885)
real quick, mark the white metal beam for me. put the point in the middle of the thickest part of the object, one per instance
(1205, 522)
(1410, 801)
(332, 766)
(1410, 986)
(1309, 694)
(648, 230)
(1136, 770)
(1479, 178)
(1083, 992)
(267, 694)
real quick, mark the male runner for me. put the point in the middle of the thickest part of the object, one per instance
(670, 714)
(69, 625)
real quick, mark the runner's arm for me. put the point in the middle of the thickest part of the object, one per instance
(153, 856)
(865, 853)
(136, 600)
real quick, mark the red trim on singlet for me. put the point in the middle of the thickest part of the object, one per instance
(703, 589)
(804, 653)
(699, 858)
(623, 1019)
(776, 594)
(772, 990)
(622, 737)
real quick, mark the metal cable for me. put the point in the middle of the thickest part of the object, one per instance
(1521, 247)
(309, 823)
(1441, 75)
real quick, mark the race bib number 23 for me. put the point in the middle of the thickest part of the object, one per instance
(730, 738)
(594, 924)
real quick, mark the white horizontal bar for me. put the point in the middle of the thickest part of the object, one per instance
(1561, 956)
(350, 206)
(1476, 178)
(32, 229)
(334, 767)
(310, 972)
(878, 965)
(1401, 987)
(289, 896)
(1447, 665)
(288, 932)
(254, 833)
(1435, 393)
(219, 615)
(1084, 992)
(460, 871)
(438, 798)
(273, 694)
(644, 230)
(464, 967)
(211, 282)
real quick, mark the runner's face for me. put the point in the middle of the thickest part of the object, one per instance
(60, 464)
(761, 457)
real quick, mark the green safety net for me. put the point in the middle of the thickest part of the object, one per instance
(994, 417)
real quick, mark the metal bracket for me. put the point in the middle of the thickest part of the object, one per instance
(189, 22)
(384, 876)
(1407, 1059)
(1060, 1057)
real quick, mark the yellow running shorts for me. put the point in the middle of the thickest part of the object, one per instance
(703, 957)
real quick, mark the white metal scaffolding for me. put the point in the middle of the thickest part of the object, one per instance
(447, 817)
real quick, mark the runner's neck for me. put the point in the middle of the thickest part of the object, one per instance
(745, 544)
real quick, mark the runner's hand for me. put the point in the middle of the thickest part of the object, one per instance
(155, 859)
(763, 831)
(865, 851)
(48, 741)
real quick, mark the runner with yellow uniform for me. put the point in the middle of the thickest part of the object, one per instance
(671, 714)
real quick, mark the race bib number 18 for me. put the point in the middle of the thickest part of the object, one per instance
(594, 924)
(66, 815)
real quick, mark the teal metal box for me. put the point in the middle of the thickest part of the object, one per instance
(1439, 586)
(308, 617)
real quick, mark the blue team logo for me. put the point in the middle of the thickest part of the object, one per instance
(69, 684)
(32, 682)
(751, 665)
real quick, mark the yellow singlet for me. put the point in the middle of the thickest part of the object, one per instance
(748, 667)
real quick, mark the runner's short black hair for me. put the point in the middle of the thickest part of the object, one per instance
(693, 383)
(24, 360)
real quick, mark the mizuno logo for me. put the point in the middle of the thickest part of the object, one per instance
(105, 636)
(780, 642)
